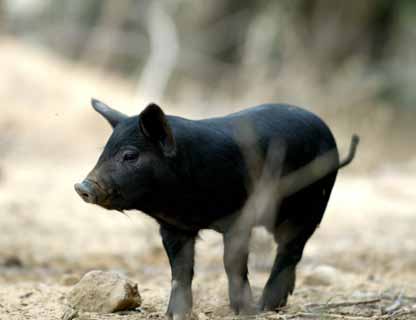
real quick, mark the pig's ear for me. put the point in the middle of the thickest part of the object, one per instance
(112, 116)
(154, 125)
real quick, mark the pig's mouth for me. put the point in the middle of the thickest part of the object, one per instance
(92, 192)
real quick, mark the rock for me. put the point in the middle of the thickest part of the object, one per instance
(104, 292)
(26, 295)
(322, 275)
(13, 262)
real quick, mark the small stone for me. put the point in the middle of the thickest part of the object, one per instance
(26, 295)
(322, 275)
(13, 262)
(104, 292)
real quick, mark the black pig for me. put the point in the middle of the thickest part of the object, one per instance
(272, 165)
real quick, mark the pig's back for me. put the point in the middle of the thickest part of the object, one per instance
(300, 134)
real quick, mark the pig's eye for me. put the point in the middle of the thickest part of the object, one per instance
(130, 156)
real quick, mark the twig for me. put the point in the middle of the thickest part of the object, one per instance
(327, 315)
(400, 313)
(341, 304)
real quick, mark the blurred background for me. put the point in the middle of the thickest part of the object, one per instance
(351, 62)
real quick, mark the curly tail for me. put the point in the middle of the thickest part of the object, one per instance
(351, 154)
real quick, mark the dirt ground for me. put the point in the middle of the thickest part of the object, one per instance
(50, 138)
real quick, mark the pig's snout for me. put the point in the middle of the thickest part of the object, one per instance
(86, 191)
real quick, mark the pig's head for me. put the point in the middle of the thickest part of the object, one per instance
(134, 169)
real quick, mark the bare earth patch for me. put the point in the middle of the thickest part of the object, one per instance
(50, 138)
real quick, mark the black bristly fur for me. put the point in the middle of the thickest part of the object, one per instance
(197, 174)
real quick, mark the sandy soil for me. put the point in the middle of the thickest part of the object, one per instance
(50, 138)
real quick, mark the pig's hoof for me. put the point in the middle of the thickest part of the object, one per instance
(241, 302)
(179, 316)
(246, 310)
(272, 305)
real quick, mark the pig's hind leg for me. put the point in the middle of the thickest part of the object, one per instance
(298, 217)
(291, 239)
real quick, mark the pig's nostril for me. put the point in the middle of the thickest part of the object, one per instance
(85, 191)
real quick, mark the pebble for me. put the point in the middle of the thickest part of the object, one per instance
(13, 262)
(323, 275)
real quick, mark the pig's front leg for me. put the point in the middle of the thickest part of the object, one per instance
(236, 242)
(179, 247)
